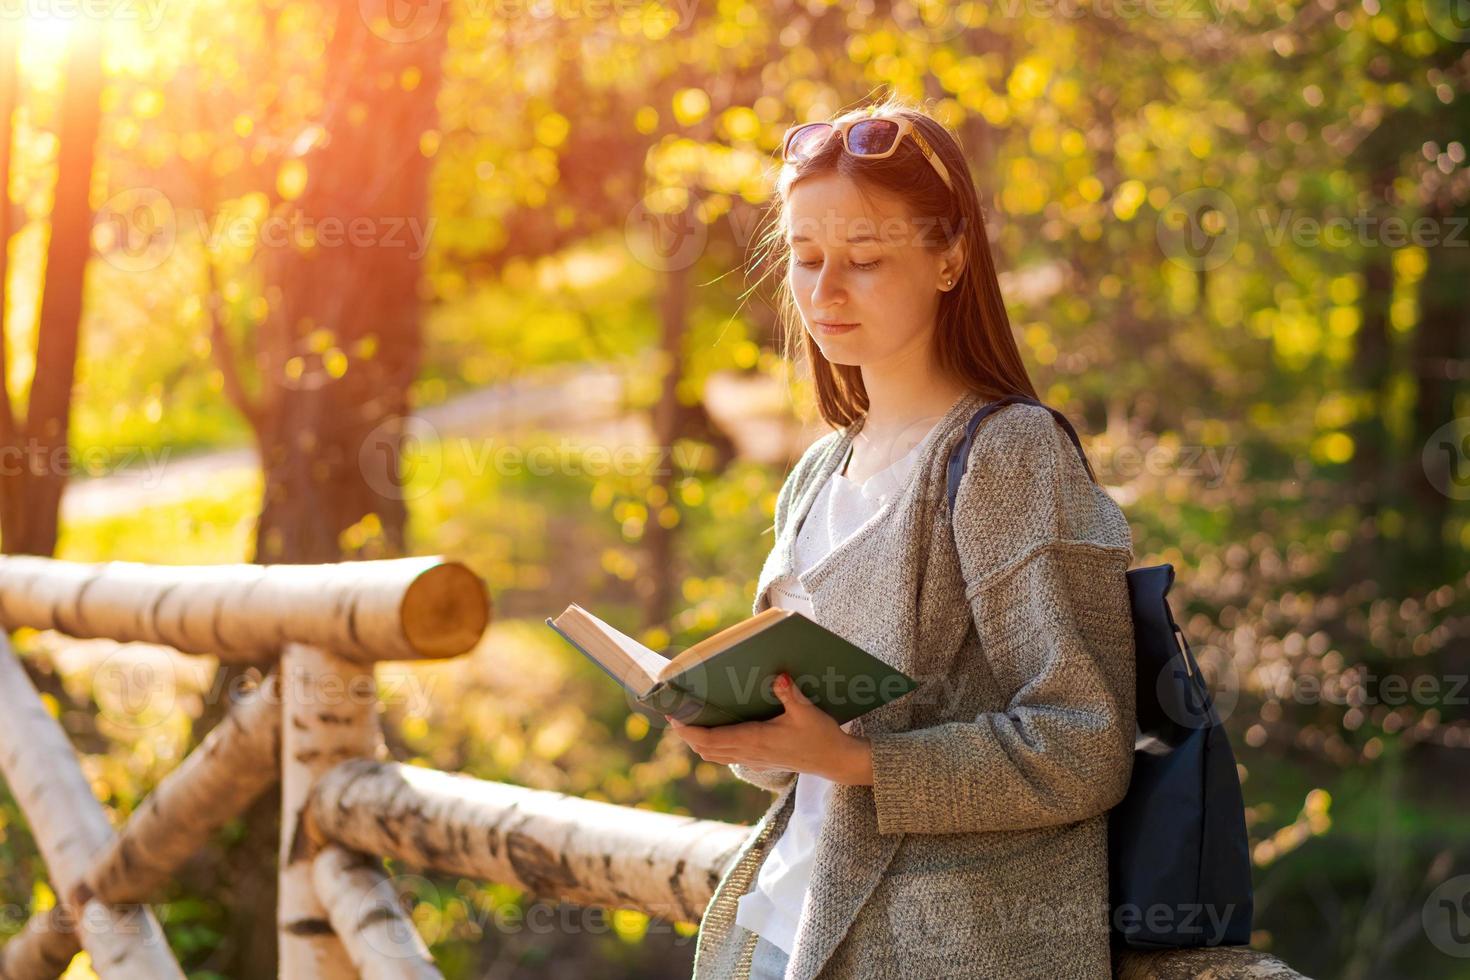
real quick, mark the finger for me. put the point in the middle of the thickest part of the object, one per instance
(738, 740)
(700, 739)
(790, 694)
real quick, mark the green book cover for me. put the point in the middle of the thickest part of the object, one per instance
(731, 681)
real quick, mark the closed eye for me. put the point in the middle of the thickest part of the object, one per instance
(861, 266)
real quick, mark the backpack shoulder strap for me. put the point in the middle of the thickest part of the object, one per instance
(959, 457)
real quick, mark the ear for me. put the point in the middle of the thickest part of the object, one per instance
(952, 264)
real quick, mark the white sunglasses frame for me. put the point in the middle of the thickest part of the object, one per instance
(905, 128)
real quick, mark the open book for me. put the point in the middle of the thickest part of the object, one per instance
(727, 677)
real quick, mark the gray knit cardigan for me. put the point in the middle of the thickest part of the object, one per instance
(980, 849)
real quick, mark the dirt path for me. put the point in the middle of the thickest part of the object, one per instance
(584, 402)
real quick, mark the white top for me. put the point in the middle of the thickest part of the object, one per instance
(843, 508)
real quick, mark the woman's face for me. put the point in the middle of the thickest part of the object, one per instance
(858, 263)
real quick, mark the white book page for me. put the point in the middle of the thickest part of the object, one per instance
(641, 655)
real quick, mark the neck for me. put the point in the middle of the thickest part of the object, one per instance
(900, 401)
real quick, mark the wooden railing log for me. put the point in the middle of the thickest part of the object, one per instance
(37, 760)
(550, 844)
(237, 761)
(391, 609)
(599, 854)
(43, 948)
(1216, 963)
(368, 919)
(315, 724)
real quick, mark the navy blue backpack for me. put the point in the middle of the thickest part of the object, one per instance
(1179, 872)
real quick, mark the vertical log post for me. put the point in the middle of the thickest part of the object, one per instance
(329, 715)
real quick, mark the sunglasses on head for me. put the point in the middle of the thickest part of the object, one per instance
(869, 137)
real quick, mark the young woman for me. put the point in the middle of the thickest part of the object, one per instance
(960, 830)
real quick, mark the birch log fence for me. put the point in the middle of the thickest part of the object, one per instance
(317, 631)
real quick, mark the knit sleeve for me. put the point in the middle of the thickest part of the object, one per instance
(774, 780)
(1044, 553)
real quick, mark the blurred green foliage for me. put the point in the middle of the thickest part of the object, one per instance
(1260, 405)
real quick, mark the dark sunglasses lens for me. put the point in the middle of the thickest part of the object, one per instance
(872, 136)
(807, 140)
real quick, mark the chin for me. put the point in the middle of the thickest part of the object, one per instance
(846, 360)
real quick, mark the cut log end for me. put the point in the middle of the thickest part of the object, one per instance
(445, 611)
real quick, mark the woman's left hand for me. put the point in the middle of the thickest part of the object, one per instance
(802, 739)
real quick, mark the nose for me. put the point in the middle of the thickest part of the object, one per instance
(828, 291)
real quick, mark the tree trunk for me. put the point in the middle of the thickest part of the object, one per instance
(29, 512)
(33, 493)
(660, 584)
(342, 342)
(10, 487)
(340, 345)
(1372, 369)
(1437, 352)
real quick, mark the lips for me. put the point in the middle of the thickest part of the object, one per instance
(831, 328)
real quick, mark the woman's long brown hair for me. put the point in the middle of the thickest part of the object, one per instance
(973, 332)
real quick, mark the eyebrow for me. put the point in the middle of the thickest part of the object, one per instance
(854, 240)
